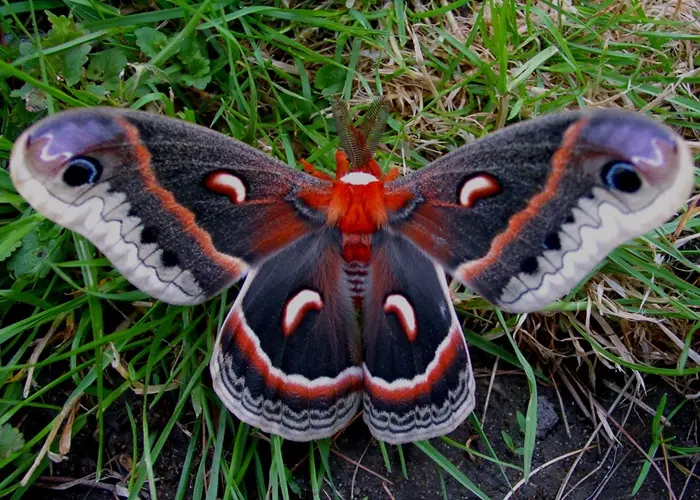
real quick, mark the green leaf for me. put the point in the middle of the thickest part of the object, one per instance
(193, 58)
(330, 78)
(37, 250)
(521, 420)
(11, 441)
(198, 83)
(508, 440)
(69, 61)
(106, 66)
(73, 62)
(61, 26)
(11, 235)
(22, 92)
(27, 50)
(63, 29)
(98, 90)
(150, 41)
(196, 399)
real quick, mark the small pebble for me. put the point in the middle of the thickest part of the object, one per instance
(547, 417)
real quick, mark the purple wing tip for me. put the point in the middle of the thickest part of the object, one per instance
(56, 140)
(651, 147)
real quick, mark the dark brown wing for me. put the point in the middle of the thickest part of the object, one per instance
(524, 214)
(180, 210)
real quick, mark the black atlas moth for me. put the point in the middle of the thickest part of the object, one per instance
(345, 301)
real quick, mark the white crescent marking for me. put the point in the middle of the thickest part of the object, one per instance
(231, 185)
(297, 306)
(399, 305)
(476, 188)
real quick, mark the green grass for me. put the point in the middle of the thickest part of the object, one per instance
(264, 73)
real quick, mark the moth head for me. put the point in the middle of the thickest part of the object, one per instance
(69, 152)
(633, 158)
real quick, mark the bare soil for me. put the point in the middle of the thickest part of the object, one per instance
(608, 476)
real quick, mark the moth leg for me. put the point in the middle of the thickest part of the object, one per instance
(310, 169)
(391, 175)
(342, 165)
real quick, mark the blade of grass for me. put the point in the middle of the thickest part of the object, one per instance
(531, 414)
(449, 467)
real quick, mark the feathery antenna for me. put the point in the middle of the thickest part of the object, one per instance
(360, 144)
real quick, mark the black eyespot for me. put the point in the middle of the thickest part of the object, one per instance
(82, 170)
(149, 235)
(552, 242)
(621, 176)
(529, 265)
(569, 219)
(169, 258)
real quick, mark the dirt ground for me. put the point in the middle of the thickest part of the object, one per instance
(610, 475)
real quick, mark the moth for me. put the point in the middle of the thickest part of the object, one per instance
(345, 302)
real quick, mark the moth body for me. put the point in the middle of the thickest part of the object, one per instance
(357, 205)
